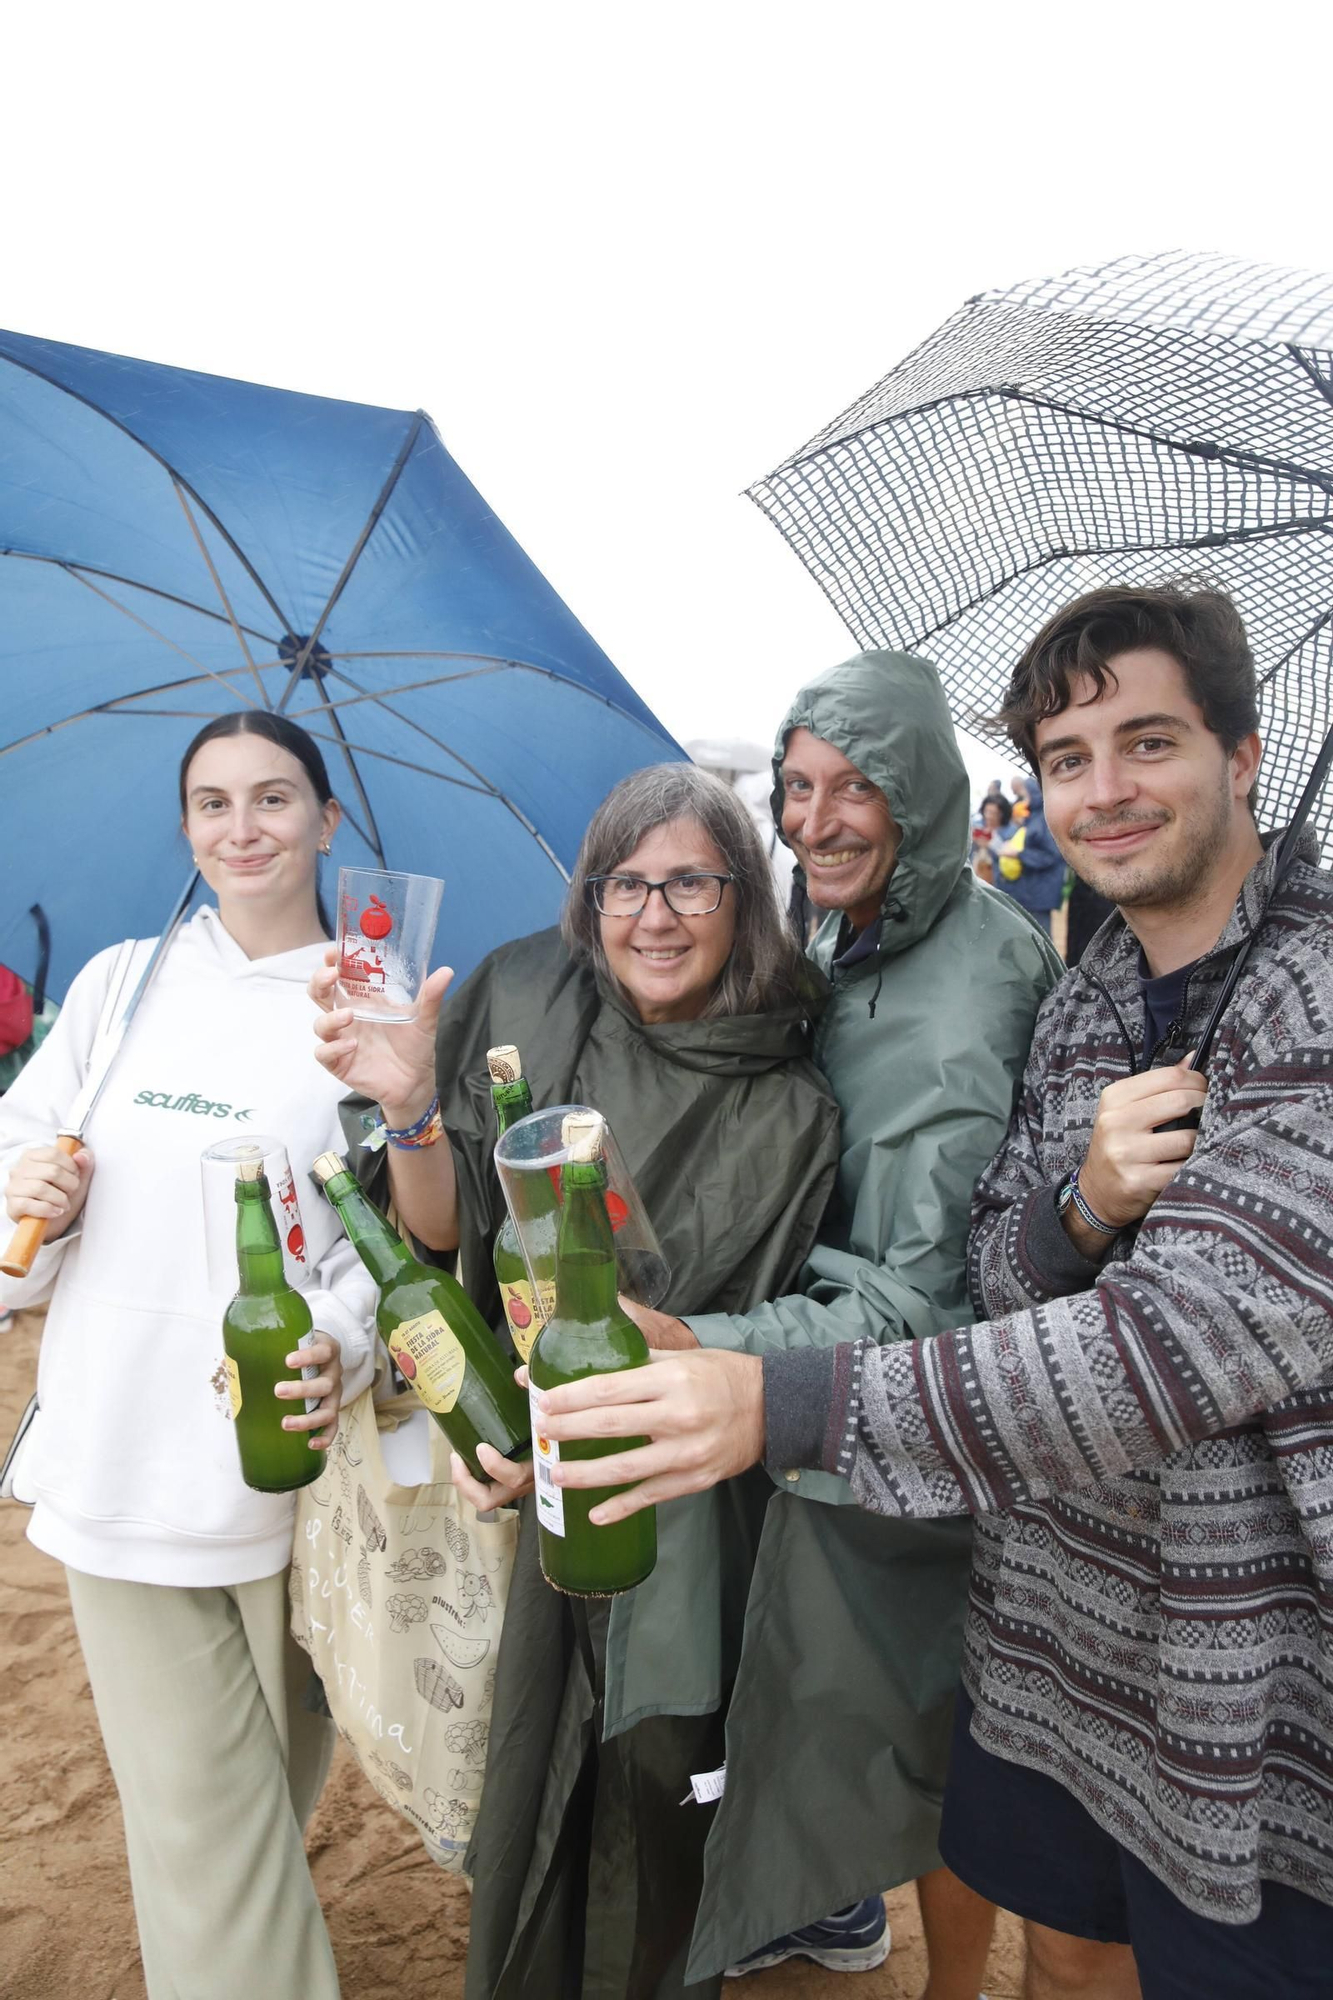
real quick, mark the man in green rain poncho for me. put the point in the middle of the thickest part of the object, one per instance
(839, 1726)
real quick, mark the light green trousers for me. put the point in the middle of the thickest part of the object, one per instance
(218, 1766)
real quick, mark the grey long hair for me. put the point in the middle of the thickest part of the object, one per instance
(765, 968)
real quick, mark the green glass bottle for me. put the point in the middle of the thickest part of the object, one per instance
(439, 1340)
(526, 1309)
(265, 1322)
(588, 1334)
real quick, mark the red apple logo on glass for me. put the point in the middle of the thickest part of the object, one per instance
(376, 922)
(617, 1214)
(296, 1241)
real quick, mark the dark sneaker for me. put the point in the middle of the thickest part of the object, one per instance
(854, 1940)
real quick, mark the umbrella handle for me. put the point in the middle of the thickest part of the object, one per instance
(27, 1238)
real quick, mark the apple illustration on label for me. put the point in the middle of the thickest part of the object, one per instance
(518, 1312)
(376, 923)
(406, 1365)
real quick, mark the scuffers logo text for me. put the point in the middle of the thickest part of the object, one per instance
(202, 1107)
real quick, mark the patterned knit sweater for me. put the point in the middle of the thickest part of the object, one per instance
(1148, 1445)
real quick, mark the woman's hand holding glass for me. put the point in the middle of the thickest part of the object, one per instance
(392, 1065)
(51, 1185)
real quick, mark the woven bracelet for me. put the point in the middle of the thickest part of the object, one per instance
(425, 1132)
(1093, 1221)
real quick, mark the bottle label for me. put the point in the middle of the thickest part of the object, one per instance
(233, 1385)
(430, 1355)
(545, 1455)
(526, 1315)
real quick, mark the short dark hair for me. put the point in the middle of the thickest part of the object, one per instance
(1199, 626)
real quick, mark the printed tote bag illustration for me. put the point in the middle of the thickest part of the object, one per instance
(398, 1595)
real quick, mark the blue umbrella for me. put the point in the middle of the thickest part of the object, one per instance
(173, 545)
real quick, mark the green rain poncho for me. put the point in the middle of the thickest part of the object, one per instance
(731, 1136)
(838, 1729)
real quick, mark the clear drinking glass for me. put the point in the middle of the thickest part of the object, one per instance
(386, 931)
(533, 1150)
(217, 1166)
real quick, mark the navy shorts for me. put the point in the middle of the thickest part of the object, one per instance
(1024, 1842)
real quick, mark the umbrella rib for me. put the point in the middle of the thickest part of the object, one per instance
(217, 585)
(1189, 447)
(483, 789)
(483, 782)
(1324, 619)
(496, 665)
(1193, 448)
(372, 519)
(370, 833)
(131, 583)
(409, 687)
(77, 396)
(152, 630)
(1214, 541)
(118, 705)
(1303, 362)
(404, 763)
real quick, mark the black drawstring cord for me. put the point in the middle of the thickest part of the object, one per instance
(894, 913)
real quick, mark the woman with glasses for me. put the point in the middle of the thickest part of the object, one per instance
(674, 1000)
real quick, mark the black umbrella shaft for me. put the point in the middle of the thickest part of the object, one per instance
(1286, 854)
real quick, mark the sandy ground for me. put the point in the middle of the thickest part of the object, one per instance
(399, 1926)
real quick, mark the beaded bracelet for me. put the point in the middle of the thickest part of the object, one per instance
(428, 1128)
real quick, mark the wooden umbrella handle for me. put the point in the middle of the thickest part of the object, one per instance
(28, 1237)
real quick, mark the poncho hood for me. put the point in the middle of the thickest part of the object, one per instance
(887, 714)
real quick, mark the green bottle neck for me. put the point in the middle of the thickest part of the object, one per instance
(585, 1271)
(534, 1189)
(258, 1252)
(512, 1101)
(380, 1249)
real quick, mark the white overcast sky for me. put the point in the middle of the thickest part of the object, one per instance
(631, 256)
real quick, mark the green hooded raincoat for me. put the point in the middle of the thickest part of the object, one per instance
(838, 1729)
(731, 1135)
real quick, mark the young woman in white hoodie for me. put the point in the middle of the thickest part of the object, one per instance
(177, 1570)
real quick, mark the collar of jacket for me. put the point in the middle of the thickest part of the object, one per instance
(721, 1044)
(1112, 958)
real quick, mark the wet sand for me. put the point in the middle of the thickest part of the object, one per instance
(399, 1926)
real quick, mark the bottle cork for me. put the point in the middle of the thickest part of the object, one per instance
(504, 1063)
(581, 1134)
(249, 1163)
(326, 1166)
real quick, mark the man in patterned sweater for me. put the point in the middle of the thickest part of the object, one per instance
(1143, 1422)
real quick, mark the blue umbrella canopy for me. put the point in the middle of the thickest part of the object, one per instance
(174, 545)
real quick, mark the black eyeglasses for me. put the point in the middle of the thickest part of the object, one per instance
(687, 895)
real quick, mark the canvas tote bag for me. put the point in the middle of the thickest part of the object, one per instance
(398, 1595)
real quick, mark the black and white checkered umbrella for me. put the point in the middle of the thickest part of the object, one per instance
(1135, 423)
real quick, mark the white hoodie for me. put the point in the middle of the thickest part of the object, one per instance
(135, 1462)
